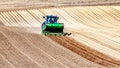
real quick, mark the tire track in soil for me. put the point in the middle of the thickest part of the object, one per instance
(85, 51)
(13, 56)
(5, 63)
(30, 50)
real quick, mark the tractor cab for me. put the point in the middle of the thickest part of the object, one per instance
(51, 19)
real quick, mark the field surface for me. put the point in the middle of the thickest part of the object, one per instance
(95, 39)
(21, 4)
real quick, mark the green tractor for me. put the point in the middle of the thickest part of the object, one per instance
(51, 26)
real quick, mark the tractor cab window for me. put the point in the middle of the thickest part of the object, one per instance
(52, 19)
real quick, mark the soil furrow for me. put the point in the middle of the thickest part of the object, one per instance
(86, 52)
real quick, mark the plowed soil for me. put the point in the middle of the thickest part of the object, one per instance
(94, 41)
(23, 4)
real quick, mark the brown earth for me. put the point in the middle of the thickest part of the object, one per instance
(24, 50)
(94, 41)
(86, 52)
